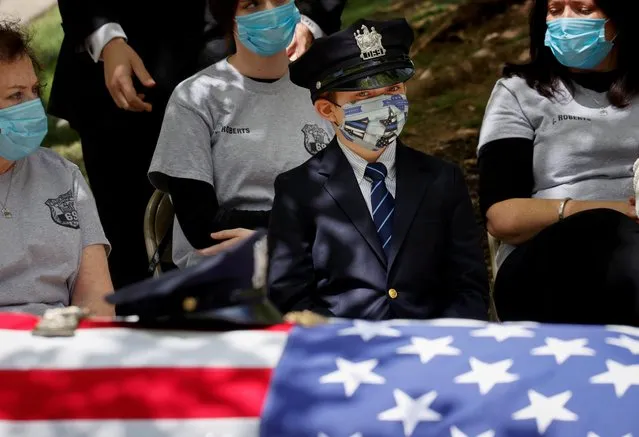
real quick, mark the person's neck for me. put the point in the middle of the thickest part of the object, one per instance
(5, 165)
(250, 64)
(368, 155)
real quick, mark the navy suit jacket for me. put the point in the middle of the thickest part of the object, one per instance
(325, 254)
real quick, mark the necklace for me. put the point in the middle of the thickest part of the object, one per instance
(5, 212)
(602, 111)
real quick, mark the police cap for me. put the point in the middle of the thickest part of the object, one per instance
(366, 55)
(229, 287)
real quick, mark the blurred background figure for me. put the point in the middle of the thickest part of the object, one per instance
(119, 62)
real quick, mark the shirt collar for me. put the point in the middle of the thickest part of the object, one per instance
(359, 164)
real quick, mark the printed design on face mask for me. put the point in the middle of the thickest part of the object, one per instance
(382, 120)
(369, 43)
(315, 138)
(63, 211)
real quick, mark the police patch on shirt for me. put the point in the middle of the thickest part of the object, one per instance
(315, 138)
(63, 210)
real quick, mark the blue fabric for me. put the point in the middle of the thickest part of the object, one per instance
(22, 129)
(268, 32)
(455, 378)
(382, 203)
(578, 43)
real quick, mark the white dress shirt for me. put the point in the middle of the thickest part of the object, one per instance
(95, 42)
(359, 167)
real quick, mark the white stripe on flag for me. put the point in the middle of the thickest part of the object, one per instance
(133, 428)
(124, 348)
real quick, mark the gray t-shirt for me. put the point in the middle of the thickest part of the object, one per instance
(236, 134)
(584, 147)
(54, 219)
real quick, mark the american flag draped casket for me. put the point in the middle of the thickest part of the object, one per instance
(342, 379)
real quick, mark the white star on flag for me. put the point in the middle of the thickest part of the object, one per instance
(487, 375)
(456, 432)
(411, 411)
(592, 434)
(428, 349)
(369, 330)
(503, 332)
(357, 434)
(619, 375)
(628, 330)
(564, 349)
(545, 410)
(352, 375)
(625, 342)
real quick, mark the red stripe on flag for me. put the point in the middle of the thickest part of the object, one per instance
(27, 322)
(144, 393)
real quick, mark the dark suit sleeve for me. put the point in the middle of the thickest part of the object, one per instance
(291, 278)
(467, 275)
(80, 18)
(326, 13)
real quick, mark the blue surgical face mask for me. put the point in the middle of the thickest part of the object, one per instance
(268, 32)
(375, 123)
(578, 42)
(22, 129)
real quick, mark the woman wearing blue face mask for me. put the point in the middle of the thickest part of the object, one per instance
(556, 153)
(52, 249)
(231, 129)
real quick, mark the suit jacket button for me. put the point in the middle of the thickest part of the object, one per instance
(392, 293)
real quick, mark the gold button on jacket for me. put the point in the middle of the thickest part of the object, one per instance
(392, 293)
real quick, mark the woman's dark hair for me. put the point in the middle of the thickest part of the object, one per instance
(15, 43)
(544, 72)
(224, 13)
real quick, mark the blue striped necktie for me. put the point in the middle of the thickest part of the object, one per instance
(382, 203)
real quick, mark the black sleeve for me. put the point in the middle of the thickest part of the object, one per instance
(326, 13)
(466, 270)
(199, 213)
(196, 207)
(80, 18)
(505, 171)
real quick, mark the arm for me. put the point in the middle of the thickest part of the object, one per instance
(467, 275)
(199, 214)
(80, 18)
(291, 278)
(505, 159)
(506, 185)
(93, 282)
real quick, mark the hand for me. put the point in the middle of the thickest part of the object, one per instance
(301, 42)
(232, 237)
(120, 63)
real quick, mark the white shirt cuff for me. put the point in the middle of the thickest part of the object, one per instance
(97, 40)
(313, 27)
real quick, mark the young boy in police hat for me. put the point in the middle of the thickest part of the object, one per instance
(369, 228)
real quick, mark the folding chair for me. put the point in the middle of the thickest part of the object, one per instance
(493, 245)
(158, 225)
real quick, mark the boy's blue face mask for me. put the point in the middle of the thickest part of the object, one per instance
(22, 129)
(268, 32)
(578, 42)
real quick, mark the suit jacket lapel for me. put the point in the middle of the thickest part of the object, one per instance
(343, 188)
(412, 184)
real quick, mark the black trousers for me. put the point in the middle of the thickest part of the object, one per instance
(582, 270)
(117, 158)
